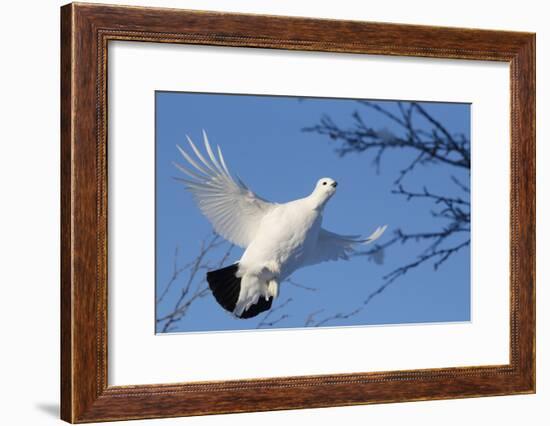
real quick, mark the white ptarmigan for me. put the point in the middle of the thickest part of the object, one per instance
(278, 238)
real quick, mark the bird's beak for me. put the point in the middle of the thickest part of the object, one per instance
(334, 184)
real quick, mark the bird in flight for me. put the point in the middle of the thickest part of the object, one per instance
(278, 238)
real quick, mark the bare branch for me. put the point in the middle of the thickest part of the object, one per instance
(437, 145)
(338, 316)
(175, 274)
(432, 146)
(427, 194)
(302, 286)
(442, 255)
(310, 319)
(264, 321)
(194, 288)
(464, 187)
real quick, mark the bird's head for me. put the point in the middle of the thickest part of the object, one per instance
(324, 189)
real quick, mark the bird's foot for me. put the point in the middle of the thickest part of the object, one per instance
(272, 289)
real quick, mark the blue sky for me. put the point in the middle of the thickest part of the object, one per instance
(263, 142)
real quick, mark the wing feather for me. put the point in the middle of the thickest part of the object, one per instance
(233, 209)
(222, 160)
(332, 246)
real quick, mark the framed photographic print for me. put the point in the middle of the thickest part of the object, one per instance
(263, 213)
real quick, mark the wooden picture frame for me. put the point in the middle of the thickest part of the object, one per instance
(86, 30)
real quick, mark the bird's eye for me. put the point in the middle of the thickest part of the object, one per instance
(324, 183)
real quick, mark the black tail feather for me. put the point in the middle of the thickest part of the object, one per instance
(261, 306)
(226, 286)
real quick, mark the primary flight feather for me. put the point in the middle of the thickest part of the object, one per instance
(278, 238)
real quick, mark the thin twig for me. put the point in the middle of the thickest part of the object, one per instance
(302, 286)
(264, 321)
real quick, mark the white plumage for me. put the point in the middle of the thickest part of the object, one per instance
(278, 238)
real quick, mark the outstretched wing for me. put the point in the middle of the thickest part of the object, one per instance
(234, 210)
(331, 246)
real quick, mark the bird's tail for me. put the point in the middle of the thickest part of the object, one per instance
(226, 288)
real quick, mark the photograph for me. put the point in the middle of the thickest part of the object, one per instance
(266, 213)
(287, 212)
